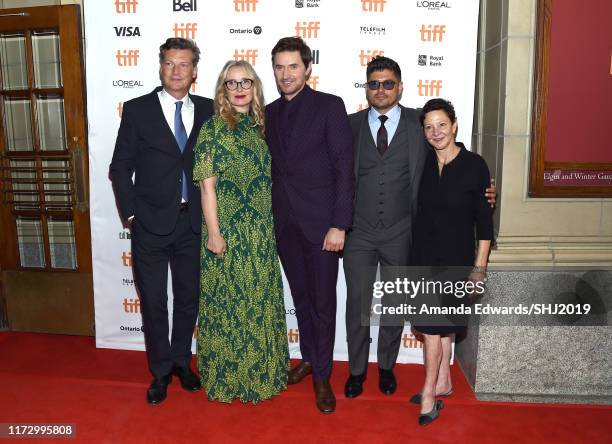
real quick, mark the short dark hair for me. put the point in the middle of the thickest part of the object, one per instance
(293, 44)
(380, 63)
(180, 43)
(439, 105)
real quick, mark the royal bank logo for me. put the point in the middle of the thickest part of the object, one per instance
(185, 30)
(182, 6)
(245, 5)
(422, 60)
(307, 30)
(365, 55)
(433, 6)
(247, 55)
(127, 31)
(430, 60)
(256, 30)
(307, 3)
(432, 33)
(429, 88)
(127, 84)
(127, 57)
(373, 5)
(126, 6)
(372, 30)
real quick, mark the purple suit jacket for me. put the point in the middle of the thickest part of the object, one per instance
(312, 175)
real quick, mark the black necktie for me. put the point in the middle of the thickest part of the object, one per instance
(382, 142)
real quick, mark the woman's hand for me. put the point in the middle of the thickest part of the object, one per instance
(217, 245)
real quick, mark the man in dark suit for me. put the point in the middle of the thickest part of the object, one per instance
(312, 201)
(163, 209)
(390, 151)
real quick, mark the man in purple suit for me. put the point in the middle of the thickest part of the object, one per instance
(310, 140)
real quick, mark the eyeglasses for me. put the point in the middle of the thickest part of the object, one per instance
(387, 84)
(232, 85)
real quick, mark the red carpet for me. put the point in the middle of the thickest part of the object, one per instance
(65, 379)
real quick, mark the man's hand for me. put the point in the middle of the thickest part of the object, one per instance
(491, 193)
(334, 240)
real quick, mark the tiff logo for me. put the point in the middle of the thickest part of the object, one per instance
(131, 305)
(126, 258)
(247, 55)
(126, 6)
(409, 341)
(362, 106)
(191, 5)
(315, 56)
(373, 5)
(185, 30)
(127, 57)
(245, 5)
(366, 56)
(432, 35)
(193, 86)
(120, 109)
(313, 82)
(307, 29)
(293, 335)
(430, 88)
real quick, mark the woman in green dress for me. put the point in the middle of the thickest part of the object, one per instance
(242, 334)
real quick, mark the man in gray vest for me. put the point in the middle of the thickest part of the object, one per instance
(390, 150)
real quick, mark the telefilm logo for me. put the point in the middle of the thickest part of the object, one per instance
(307, 3)
(127, 57)
(127, 31)
(127, 282)
(246, 55)
(429, 88)
(432, 33)
(188, 6)
(307, 29)
(373, 30)
(373, 5)
(127, 84)
(185, 30)
(366, 55)
(433, 6)
(245, 5)
(254, 30)
(430, 60)
(126, 6)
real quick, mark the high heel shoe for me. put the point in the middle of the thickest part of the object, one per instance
(429, 417)
(416, 398)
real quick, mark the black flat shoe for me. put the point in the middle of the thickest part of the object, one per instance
(387, 383)
(429, 417)
(416, 398)
(189, 380)
(354, 385)
(158, 389)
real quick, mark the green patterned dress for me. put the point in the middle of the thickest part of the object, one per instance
(242, 334)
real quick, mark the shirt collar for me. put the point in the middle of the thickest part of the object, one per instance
(393, 114)
(168, 100)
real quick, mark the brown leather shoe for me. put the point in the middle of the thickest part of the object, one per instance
(326, 401)
(299, 372)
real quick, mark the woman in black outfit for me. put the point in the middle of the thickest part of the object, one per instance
(452, 214)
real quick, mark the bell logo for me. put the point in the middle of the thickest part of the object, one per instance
(178, 5)
(131, 305)
(409, 341)
(185, 30)
(127, 57)
(429, 88)
(126, 6)
(126, 258)
(432, 35)
(245, 5)
(373, 5)
(366, 56)
(247, 55)
(307, 29)
(313, 82)
(120, 109)
(293, 335)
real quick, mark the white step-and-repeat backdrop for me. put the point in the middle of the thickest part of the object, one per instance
(433, 41)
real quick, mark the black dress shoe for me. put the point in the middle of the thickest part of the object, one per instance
(189, 380)
(429, 417)
(354, 385)
(386, 383)
(157, 390)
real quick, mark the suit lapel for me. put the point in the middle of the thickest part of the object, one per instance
(415, 145)
(198, 120)
(365, 141)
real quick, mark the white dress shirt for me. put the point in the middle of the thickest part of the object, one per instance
(167, 103)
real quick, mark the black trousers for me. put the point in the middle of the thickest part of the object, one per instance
(151, 255)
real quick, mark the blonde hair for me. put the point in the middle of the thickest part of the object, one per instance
(224, 108)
